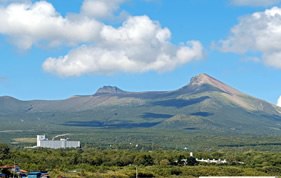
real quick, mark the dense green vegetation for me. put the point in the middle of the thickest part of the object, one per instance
(148, 139)
(92, 162)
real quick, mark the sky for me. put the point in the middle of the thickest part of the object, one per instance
(55, 49)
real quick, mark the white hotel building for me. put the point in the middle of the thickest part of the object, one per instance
(43, 142)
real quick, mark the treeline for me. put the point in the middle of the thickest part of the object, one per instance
(91, 162)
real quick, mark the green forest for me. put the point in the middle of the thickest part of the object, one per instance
(111, 162)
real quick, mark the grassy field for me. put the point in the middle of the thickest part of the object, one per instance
(146, 139)
(25, 140)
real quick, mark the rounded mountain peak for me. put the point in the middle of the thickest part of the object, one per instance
(109, 90)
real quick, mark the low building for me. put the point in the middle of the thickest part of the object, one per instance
(43, 142)
(12, 169)
(23, 174)
(219, 161)
(38, 174)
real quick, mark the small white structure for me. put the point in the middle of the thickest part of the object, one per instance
(191, 154)
(43, 142)
(219, 161)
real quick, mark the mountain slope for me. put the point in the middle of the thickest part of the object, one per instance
(204, 104)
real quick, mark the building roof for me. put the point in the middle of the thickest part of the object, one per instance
(13, 166)
(23, 171)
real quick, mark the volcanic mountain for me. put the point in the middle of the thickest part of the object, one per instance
(204, 104)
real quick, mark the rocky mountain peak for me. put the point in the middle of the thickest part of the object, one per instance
(109, 90)
(235, 95)
(204, 79)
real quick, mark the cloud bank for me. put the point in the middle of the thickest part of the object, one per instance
(259, 32)
(138, 45)
(263, 3)
(26, 24)
(100, 8)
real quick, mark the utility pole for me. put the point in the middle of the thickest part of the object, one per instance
(136, 172)
(14, 169)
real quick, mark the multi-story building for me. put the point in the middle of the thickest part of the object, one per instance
(43, 142)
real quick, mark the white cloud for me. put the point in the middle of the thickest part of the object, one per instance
(264, 3)
(100, 8)
(259, 32)
(28, 24)
(139, 45)
(279, 102)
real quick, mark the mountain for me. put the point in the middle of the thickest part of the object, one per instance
(205, 104)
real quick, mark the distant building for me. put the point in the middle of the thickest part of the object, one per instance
(43, 142)
(219, 161)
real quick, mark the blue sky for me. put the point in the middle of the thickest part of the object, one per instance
(55, 49)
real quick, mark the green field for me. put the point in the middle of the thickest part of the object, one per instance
(147, 139)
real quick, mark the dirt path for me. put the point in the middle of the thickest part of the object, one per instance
(62, 135)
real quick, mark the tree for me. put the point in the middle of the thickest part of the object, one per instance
(191, 161)
(180, 160)
(7, 172)
(143, 159)
(164, 162)
(4, 151)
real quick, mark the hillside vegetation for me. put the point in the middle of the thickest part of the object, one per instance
(205, 104)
